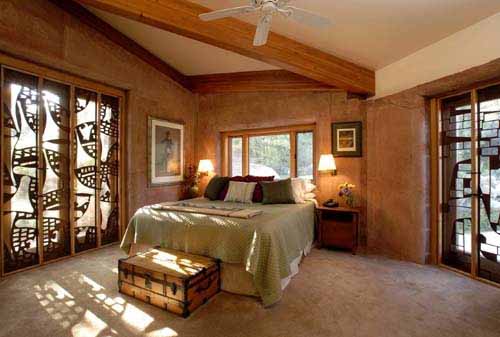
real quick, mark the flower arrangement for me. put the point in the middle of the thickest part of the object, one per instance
(346, 193)
(191, 180)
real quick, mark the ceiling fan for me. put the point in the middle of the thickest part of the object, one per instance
(268, 8)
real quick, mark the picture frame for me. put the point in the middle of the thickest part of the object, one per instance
(347, 139)
(165, 152)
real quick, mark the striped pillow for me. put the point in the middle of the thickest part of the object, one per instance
(240, 192)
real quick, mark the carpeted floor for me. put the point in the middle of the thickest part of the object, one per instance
(335, 294)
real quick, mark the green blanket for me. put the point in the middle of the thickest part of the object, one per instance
(265, 244)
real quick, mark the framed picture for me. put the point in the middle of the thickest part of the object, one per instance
(165, 152)
(347, 139)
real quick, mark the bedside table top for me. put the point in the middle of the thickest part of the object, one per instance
(338, 209)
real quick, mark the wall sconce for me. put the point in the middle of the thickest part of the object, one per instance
(205, 167)
(327, 164)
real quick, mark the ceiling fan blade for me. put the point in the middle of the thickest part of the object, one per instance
(308, 18)
(262, 32)
(224, 13)
(282, 3)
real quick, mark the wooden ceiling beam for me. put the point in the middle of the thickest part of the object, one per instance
(250, 81)
(181, 17)
(87, 17)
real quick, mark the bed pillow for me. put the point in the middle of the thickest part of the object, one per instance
(278, 192)
(223, 192)
(298, 189)
(215, 186)
(309, 186)
(240, 192)
(257, 193)
(309, 196)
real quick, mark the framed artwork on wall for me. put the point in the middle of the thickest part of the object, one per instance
(347, 139)
(165, 152)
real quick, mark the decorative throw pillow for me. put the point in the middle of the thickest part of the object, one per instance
(240, 192)
(223, 193)
(298, 188)
(278, 192)
(215, 186)
(257, 194)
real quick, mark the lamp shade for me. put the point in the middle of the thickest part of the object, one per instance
(205, 166)
(327, 163)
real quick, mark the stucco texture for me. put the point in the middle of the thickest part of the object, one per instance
(38, 31)
(225, 112)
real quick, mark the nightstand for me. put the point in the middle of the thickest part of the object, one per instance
(338, 227)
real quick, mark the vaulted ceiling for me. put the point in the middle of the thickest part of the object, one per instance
(371, 33)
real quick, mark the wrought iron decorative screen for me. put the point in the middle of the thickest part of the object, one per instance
(489, 182)
(456, 141)
(109, 113)
(60, 165)
(20, 173)
(470, 137)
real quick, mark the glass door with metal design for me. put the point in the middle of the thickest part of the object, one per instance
(60, 161)
(470, 182)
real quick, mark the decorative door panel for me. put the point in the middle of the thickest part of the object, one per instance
(109, 126)
(60, 162)
(489, 183)
(85, 171)
(457, 194)
(55, 170)
(20, 170)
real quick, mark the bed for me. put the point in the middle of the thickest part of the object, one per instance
(259, 255)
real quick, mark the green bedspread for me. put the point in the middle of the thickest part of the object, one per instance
(265, 244)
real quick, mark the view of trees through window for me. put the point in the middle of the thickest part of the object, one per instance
(270, 156)
(282, 155)
(305, 155)
(236, 156)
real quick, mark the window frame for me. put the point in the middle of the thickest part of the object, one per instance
(245, 135)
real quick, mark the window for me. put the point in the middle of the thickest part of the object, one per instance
(279, 152)
(236, 145)
(270, 156)
(305, 155)
(61, 167)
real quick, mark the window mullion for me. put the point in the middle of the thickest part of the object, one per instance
(2, 147)
(474, 185)
(72, 176)
(293, 154)
(40, 171)
(98, 187)
(245, 156)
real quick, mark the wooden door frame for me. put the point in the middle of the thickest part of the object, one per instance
(436, 190)
(45, 73)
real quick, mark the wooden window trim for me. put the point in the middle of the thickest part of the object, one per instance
(292, 130)
(46, 73)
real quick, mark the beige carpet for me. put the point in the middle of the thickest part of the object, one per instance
(335, 294)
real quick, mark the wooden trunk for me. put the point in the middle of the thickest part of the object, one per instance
(169, 279)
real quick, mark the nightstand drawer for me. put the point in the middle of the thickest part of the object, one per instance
(338, 227)
(338, 233)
